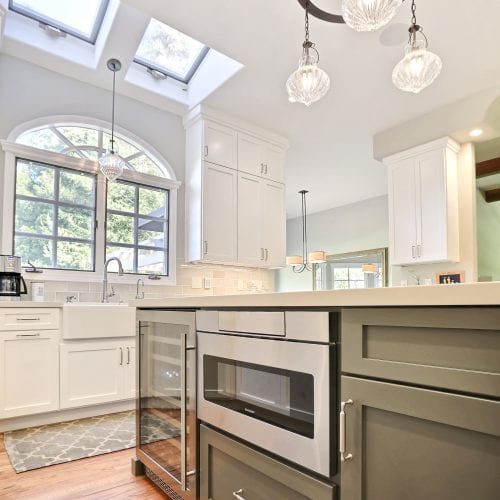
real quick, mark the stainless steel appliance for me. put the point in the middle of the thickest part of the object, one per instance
(166, 404)
(12, 284)
(270, 378)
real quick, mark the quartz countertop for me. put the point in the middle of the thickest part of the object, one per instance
(465, 294)
(28, 303)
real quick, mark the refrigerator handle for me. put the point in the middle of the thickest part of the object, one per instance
(183, 412)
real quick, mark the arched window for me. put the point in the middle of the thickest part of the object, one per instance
(68, 219)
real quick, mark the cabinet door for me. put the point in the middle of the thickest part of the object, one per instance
(273, 223)
(250, 246)
(220, 186)
(29, 375)
(250, 155)
(129, 380)
(92, 373)
(403, 215)
(220, 144)
(417, 444)
(431, 207)
(273, 158)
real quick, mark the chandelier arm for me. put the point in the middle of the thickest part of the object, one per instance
(321, 14)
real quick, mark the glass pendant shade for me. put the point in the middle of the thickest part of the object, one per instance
(308, 83)
(418, 68)
(369, 15)
(111, 165)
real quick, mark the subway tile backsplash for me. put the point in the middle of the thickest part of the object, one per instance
(192, 280)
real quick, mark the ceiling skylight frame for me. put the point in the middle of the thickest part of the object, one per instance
(192, 70)
(62, 27)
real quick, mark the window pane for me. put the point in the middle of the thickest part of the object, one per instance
(75, 223)
(151, 233)
(34, 217)
(152, 202)
(356, 274)
(121, 197)
(36, 250)
(151, 261)
(126, 255)
(33, 179)
(74, 14)
(76, 187)
(169, 49)
(71, 255)
(91, 155)
(120, 228)
(42, 139)
(340, 273)
(123, 148)
(145, 165)
(80, 136)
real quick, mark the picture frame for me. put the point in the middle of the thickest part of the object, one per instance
(450, 277)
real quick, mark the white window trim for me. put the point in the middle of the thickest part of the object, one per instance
(13, 150)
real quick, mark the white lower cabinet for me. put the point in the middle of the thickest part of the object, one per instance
(29, 375)
(95, 372)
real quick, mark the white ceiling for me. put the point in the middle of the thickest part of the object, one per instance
(331, 142)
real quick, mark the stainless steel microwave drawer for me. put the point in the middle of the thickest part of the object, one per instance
(229, 469)
(446, 348)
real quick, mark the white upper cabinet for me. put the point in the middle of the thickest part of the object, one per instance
(260, 158)
(423, 204)
(235, 207)
(220, 144)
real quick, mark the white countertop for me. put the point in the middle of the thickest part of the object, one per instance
(466, 294)
(28, 303)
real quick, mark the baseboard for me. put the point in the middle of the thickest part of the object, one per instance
(15, 423)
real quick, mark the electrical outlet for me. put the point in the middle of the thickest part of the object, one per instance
(207, 283)
(196, 282)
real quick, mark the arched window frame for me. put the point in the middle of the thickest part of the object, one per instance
(15, 150)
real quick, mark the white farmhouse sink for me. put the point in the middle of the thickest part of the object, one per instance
(90, 320)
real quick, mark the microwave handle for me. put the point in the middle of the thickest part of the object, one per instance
(24, 291)
(183, 412)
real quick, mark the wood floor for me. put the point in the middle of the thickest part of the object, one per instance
(103, 477)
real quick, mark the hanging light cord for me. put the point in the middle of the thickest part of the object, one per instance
(112, 141)
(304, 227)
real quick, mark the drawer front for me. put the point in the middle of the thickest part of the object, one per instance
(14, 319)
(456, 349)
(229, 469)
(258, 322)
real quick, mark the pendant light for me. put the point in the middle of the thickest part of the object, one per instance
(369, 15)
(419, 67)
(303, 262)
(110, 162)
(308, 83)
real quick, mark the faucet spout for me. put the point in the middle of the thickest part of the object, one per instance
(105, 294)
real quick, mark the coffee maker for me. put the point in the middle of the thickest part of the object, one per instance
(12, 284)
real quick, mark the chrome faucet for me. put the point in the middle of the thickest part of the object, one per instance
(105, 294)
(139, 295)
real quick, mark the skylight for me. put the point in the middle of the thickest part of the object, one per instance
(169, 51)
(74, 17)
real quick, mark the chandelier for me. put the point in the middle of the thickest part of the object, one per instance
(308, 83)
(416, 71)
(110, 162)
(304, 262)
(419, 67)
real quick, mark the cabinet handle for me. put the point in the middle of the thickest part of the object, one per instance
(261, 254)
(128, 355)
(27, 319)
(267, 254)
(184, 395)
(419, 250)
(413, 252)
(121, 356)
(20, 335)
(206, 150)
(265, 168)
(343, 455)
(238, 494)
(205, 247)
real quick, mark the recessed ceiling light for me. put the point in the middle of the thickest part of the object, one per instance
(476, 132)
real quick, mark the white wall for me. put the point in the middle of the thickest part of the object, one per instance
(467, 230)
(358, 226)
(28, 92)
(488, 239)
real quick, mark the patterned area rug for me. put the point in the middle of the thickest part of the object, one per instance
(37, 447)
